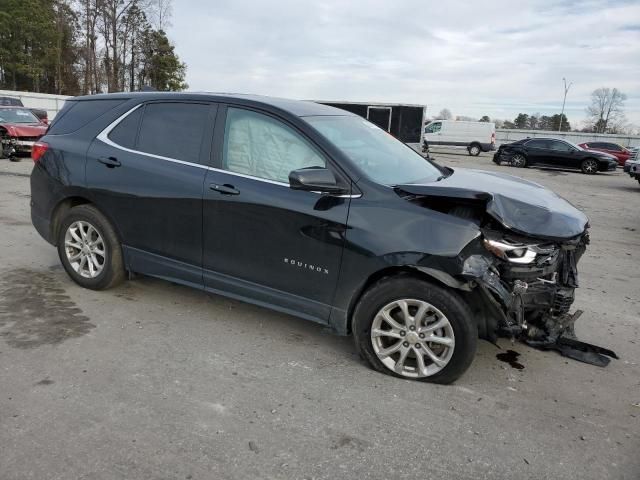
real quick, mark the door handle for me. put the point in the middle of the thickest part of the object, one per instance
(110, 162)
(225, 189)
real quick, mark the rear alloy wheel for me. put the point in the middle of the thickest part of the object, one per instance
(412, 329)
(518, 160)
(89, 249)
(474, 150)
(589, 166)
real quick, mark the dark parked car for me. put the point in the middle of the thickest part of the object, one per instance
(622, 154)
(550, 152)
(312, 211)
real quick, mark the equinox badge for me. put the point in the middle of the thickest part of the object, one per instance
(308, 266)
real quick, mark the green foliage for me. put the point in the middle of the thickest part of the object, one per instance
(540, 122)
(521, 121)
(163, 69)
(485, 118)
(84, 46)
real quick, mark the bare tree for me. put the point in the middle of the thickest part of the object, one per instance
(162, 11)
(606, 109)
(445, 114)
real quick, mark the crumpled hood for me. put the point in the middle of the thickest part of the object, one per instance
(522, 206)
(25, 130)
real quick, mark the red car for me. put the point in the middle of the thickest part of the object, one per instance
(618, 151)
(19, 130)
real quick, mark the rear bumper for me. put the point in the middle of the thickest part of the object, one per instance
(42, 225)
(488, 147)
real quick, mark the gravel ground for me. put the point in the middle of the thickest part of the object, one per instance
(157, 381)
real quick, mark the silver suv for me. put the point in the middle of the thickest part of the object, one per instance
(632, 166)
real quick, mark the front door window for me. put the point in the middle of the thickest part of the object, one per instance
(260, 146)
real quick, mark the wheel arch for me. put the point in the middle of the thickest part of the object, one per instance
(430, 275)
(66, 204)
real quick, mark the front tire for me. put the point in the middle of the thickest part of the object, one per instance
(589, 166)
(89, 249)
(413, 329)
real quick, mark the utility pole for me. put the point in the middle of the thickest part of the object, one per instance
(566, 90)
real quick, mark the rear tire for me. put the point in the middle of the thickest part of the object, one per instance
(391, 297)
(589, 166)
(89, 249)
(474, 149)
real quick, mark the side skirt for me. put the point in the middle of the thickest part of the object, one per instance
(171, 270)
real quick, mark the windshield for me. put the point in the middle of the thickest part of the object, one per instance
(376, 153)
(17, 115)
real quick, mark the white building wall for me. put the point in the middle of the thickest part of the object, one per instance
(507, 136)
(51, 103)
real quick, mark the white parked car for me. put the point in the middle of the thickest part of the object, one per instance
(476, 137)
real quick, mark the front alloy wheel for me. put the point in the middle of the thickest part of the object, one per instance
(411, 328)
(412, 338)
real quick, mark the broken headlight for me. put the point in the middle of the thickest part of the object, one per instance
(512, 252)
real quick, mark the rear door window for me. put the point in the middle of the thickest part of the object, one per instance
(537, 144)
(173, 130)
(560, 146)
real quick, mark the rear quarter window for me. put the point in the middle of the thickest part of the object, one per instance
(76, 114)
(126, 132)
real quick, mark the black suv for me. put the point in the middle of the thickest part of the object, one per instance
(308, 210)
(550, 152)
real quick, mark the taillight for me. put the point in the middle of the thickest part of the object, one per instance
(493, 137)
(38, 150)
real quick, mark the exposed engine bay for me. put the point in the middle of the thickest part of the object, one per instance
(521, 285)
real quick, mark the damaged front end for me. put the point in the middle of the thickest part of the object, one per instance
(521, 271)
(532, 285)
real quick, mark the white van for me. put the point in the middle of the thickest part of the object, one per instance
(476, 137)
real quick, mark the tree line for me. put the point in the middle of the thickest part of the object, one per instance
(605, 114)
(76, 47)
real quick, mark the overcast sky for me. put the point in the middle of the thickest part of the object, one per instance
(494, 57)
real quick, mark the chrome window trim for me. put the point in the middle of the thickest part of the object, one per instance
(103, 136)
(251, 177)
(274, 182)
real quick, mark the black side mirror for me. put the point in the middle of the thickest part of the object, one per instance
(314, 180)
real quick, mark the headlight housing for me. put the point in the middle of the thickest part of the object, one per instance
(512, 252)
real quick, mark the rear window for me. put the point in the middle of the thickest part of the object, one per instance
(12, 102)
(126, 132)
(173, 130)
(76, 114)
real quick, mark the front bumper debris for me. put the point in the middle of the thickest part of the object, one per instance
(532, 302)
(569, 346)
